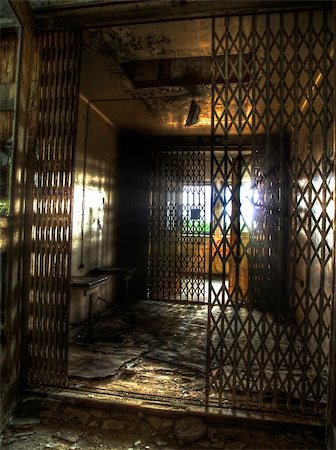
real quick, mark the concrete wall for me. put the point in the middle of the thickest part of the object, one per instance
(94, 212)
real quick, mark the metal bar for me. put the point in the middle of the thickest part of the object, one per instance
(294, 209)
(323, 164)
(279, 246)
(331, 394)
(209, 377)
(309, 214)
(36, 323)
(253, 144)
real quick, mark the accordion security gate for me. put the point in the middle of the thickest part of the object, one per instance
(179, 215)
(57, 98)
(268, 342)
(270, 271)
(269, 317)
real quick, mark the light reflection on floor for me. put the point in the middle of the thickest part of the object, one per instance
(145, 349)
(195, 290)
(160, 348)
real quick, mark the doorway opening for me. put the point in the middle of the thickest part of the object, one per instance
(181, 225)
(253, 298)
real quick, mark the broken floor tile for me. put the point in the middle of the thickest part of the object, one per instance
(53, 445)
(67, 436)
(219, 444)
(166, 424)
(93, 438)
(96, 413)
(111, 424)
(236, 445)
(68, 414)
(203, 444)
(46, 413)
(155, 422)
(52, 404)
(212, 432)
(93, 423)
(9, 440)
(189, 429)
(23, 422)
(25, 433)
(83, 416)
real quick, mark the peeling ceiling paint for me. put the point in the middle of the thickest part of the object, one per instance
(186, 38)
(154, 109)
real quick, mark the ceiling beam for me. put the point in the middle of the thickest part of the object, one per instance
(135, 12)
(192, 71)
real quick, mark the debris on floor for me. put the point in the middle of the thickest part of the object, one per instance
(144, 347)
(157, 347)
(61, 426)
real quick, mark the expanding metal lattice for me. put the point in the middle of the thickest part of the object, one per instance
(52, 207)
(178, 226)
(268, 343)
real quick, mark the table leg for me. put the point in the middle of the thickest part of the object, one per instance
(90, 316)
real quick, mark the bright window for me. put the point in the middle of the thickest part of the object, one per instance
(196, 209)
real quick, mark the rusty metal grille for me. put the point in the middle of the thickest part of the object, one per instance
(269, 319)
(52, 206)
(178, 234)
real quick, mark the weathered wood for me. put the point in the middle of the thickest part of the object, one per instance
(14, 232)
(8, 55)
(6, 126)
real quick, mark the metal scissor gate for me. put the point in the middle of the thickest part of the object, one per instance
(179, 226)
(268, 341)
(264, 262)
(261, 255)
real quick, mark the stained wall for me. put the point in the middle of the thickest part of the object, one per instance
(94, 211)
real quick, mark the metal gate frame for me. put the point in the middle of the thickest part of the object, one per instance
(331, 412)
(271, 359)
(262, 108)
(57, 97)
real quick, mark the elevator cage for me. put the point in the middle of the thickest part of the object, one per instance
(244, 228)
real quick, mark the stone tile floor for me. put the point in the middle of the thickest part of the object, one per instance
(154, 350)
(52, 424)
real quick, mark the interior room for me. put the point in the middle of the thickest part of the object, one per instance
(167, 204)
